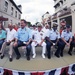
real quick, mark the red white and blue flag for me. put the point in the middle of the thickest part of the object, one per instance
(69, 70)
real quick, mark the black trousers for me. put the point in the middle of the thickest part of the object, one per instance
(72, 44)
(49, 44)
(20, 43)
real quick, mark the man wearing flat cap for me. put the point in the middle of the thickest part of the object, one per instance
(55, 24)
(38, 41)
(66, 38)
(52, 38)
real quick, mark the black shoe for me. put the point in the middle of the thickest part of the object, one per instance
(10, 59)
(49, 56)
(2, 56)
(61, 54)
(28, 58)
(18, 57)
(70, 53)
(57, 55)
(0, 53)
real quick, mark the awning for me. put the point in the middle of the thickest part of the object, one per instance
(3, 18)
(65, 12)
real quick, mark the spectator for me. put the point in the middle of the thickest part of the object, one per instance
(23, 38)
(9, 41)
(38, 41)
(2, 35)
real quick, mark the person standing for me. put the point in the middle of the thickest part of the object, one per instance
(23, 38)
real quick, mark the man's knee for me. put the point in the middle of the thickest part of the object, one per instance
(28, 47)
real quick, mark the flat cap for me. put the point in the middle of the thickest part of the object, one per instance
(55, 24)
(67, 26)
(39, 25)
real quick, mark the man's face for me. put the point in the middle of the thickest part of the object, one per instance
(22, 24)
(55, 28)
(34, 27)
(10, 26)
(46, 25)
(68, 29)
(39, 28)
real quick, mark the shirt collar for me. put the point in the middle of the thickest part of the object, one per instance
(23, 28)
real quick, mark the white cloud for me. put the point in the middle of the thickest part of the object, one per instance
(32, 10)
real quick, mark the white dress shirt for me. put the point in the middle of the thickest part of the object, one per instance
(10, 34)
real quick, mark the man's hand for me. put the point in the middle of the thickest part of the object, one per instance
(67, 44)
(27, 43)
(53, 44)
(15, 44)
(39, 44)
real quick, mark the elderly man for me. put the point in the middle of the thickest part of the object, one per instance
(39, 41)
(9, 41)
(23, 38)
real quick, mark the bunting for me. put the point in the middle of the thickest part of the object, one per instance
(68, 70)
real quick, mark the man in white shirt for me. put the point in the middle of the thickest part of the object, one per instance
(46, 29)
(9, 41)
(34, 30)
(38, 41)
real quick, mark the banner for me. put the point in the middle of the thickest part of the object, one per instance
(68, 70)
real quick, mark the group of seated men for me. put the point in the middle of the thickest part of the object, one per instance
(42, 36)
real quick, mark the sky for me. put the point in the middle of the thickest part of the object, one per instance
(32, 10)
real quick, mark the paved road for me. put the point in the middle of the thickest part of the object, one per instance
(38, 63)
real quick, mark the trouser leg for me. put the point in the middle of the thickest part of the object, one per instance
(19, 44)
(60, 48)
(3, 47)
(11, 49)
(71, 46)
(28, 48)
(48, 46)
(44, 48)
(33, 47)
(1, 43)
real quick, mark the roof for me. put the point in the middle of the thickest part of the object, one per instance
(15, 6)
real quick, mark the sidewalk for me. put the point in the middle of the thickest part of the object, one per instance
(38, 63)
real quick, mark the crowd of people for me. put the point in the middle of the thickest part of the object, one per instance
(37, 36)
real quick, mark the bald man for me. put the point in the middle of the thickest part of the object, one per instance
(9, 41)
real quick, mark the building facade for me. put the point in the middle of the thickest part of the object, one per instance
(64, 9)
(10, 11)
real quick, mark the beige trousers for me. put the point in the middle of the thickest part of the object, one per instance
(10, 48)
